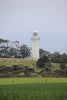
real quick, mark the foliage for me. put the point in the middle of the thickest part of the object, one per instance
(44, 53)
(25, 51)
(59, 58)
(24, 89)
(16, 71)
(42, 62)
(62, 66)
(14, 67)
(15, 50)
(41, 52)
(3, 41)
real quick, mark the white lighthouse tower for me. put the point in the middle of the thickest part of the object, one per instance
(35, 46)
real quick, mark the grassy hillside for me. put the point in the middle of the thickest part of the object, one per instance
(9, 62)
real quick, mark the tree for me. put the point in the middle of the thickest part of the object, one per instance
(41, 52)
(24, 51)
(46, 53)
(43, 62)
(57, 57)
(12, 52)
(4, 48)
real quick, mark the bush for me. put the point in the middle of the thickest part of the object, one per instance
(62, 66)
(42, 62)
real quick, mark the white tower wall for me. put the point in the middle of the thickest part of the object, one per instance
(35, 46)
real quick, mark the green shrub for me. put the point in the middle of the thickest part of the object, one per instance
(42, 62)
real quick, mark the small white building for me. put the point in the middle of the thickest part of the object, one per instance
(35, 46)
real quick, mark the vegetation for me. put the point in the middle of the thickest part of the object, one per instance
(35, 88)
(44, 67)
(46, 53)
(43, 62)
(29, 80)
(25, 51)
(24, 89)
(14, 49)
(10, 49)
(27, 68)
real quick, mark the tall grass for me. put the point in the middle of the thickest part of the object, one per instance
(41, 91)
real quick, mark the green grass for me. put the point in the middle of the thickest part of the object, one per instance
(33, 89)
(10, 62)
(9, 81)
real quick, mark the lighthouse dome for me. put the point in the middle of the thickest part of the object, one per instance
(35, 33)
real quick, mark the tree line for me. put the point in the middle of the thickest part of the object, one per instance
(14, 49)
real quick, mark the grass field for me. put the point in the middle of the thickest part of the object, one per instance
(11, 81)
(33, 89)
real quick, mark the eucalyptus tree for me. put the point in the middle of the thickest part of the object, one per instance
(24, 51)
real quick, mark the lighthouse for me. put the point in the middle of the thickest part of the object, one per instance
(35, 46)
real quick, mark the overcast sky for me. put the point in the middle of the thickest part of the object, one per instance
(19, 18)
